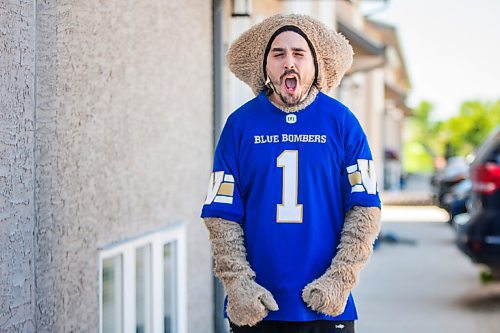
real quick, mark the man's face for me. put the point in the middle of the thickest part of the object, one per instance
(290, 67)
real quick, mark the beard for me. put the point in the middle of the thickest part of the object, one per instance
(287, 98)
(290, 100)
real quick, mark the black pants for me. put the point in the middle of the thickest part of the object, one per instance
(319, 326)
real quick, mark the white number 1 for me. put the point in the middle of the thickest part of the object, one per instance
(289, 210)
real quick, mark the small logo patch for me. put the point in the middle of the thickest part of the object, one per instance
(339, 326)
(291, 118)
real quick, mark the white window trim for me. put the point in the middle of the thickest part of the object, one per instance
(173, 233)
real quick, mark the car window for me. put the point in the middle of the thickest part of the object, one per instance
(494, 156)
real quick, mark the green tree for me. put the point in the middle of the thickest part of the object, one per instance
(471, 126)
(458, 135)
(425, 131)
(422, 145)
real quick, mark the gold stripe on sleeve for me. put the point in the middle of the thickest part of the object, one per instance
(226, 189)
(355, 178)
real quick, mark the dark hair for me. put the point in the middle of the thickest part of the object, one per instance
(300, 32)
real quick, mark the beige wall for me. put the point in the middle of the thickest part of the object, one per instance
(349, 11)
(123, 145)
(17, 283)
(392, 131)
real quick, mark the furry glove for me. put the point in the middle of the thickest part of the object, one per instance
(248, 302)
(329, 293)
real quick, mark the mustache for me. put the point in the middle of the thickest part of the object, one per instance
(288, 72)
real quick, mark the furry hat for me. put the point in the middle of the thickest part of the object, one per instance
(245, 57)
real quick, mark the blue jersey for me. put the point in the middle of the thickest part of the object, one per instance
(289, 179)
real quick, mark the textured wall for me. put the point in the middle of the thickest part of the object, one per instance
(16, 166)
(123, 144)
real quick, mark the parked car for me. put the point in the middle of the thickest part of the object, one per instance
(457, 197)
(478, 232)
(456, 171)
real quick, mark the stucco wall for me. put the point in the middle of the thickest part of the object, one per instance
(123, 144)
(16, 166)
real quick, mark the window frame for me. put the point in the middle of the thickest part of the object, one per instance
(175, 234)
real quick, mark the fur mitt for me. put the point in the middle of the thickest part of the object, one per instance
(248, 302)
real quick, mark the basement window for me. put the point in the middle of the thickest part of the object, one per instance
(142, 284)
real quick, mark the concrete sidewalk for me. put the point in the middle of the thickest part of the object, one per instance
(429, 287)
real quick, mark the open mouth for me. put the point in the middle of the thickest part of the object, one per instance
(290, 84)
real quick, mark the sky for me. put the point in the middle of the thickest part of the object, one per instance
(451, 49)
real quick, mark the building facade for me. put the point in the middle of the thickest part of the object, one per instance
(106, 142)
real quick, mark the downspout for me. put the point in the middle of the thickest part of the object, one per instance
(218, 65)
(218, 83)
(35, 217)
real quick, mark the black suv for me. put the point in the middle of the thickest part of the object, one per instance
(478, 232)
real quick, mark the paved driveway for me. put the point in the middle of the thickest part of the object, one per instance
(429, 287)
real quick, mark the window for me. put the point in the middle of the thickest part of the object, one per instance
(142, 284)
(143, 289)
(111, 294)
(169, 292)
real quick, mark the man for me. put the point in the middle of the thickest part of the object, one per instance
(292, 206)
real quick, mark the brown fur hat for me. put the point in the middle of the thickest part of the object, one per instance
(245, 56)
